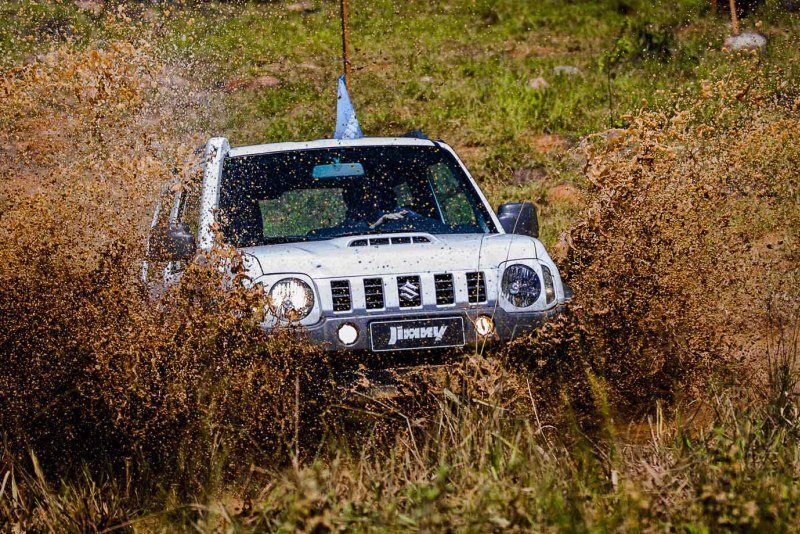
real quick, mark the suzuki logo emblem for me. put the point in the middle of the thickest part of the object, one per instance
(409, 291)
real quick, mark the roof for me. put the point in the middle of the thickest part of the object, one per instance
(327, 143)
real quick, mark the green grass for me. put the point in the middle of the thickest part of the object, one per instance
(457, 70)
(475, 469)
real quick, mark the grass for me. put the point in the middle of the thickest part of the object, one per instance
(476, 468)
(456, 70)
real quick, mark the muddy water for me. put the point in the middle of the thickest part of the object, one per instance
(685, 258)
(686, 263)
(90, 367)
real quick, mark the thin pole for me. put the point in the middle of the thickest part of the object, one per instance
(734, 18)
(346, 42)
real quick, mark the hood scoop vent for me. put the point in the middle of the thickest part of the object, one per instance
(402, 240)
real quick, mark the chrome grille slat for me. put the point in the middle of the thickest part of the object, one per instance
(445, 291)
(476, 287)
(340, 295)
(373, 293)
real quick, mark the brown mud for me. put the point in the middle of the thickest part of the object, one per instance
(685, 256)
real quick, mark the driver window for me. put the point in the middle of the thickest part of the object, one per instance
(295, 213)
(191, 209)
(456, 208)
(405, 198)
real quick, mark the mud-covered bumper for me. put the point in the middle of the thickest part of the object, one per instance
(506, 325)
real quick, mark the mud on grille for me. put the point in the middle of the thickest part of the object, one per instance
(340, 293)
(373, 292)
(476, 287)
(445, 293)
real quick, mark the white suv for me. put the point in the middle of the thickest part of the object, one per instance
(373, 244)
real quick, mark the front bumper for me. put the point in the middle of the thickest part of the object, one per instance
(507, 325)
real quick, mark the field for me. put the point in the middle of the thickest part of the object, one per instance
(666, 172)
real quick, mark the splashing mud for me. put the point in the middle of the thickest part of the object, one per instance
(688, 251)
(690, 239)
(91, 369)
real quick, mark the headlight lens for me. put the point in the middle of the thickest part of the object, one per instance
(291, 299)
(521, 285)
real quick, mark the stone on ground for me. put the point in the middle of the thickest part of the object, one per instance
(301, 7)
(566, 70)
(746, 41)
(538, 84)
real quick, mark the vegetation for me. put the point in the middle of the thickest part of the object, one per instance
(666, 400)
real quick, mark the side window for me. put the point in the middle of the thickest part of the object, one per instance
(191, 209)
(453, 200)
(295, 213)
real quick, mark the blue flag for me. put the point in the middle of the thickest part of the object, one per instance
(347, 126)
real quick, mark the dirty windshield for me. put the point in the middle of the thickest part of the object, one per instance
(316, 194)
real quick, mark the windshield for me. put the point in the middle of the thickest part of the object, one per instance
(315, 194)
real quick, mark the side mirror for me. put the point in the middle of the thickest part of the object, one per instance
(175, 244)
(519, 218)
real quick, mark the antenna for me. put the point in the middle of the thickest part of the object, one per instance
(345, 41)
(734, 18)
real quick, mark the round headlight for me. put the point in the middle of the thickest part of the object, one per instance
(291, 299)
(521, 285)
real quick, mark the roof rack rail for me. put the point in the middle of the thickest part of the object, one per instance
(416, 134)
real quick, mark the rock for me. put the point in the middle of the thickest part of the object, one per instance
(527, 175)
(565, 194)
(426, 79)
(301, 7)
(745, 41)
(566, 70)
(538, 84)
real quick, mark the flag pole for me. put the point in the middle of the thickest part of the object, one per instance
(345, 42)
(734, 18)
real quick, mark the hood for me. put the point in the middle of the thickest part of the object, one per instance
(336, 258)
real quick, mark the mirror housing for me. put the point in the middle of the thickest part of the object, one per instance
(519, 218)
(175, 244)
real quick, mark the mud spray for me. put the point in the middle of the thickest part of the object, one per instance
(685, 255)
(686, 261)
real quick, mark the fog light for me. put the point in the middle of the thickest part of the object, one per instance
(484, 325)
(348, 334)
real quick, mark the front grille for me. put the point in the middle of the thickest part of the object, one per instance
(340, 292)
(476, 287)
(373, 292)
(410, 291)
(444, 289)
